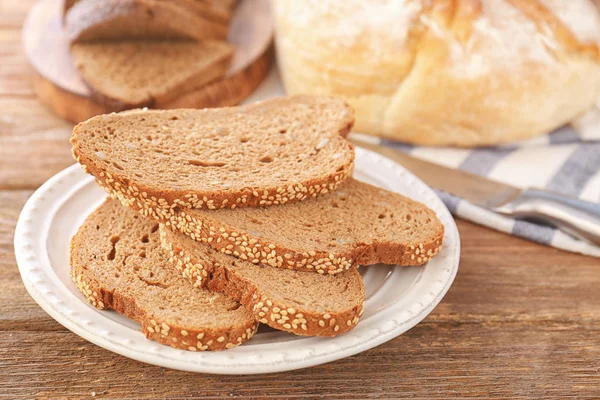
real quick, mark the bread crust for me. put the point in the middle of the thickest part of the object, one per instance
(445, 72)
(269, 311)
(181, 337)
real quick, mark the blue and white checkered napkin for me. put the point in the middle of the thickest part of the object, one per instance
(565, 161)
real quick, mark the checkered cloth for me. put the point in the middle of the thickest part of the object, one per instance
(565, 161)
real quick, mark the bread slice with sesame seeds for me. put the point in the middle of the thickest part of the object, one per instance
(357, 224)
(145, 73)
(298, 302)
(94, 20)
(278, 151)
(117, 263)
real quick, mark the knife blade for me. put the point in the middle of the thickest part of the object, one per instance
(471, 187)
(573, 216)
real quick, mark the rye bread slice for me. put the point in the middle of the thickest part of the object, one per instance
(117, 263)
(278, 151)
(298, 302)
(212, 10)
(91, 20)
(357, 224)
(142, 73)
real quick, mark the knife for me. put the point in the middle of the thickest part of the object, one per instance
(573, 216)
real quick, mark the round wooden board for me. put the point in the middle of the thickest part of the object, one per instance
(59, 85)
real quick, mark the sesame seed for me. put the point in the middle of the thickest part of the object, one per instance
(221, 339)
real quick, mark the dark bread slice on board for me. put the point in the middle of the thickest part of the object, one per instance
(211, 10)
(293, 301)
(278, 151)
(92, 20)
(357, 224)
(117, 263)
(142, 73)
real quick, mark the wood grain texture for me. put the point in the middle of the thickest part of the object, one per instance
(521, 320)
(58, 84)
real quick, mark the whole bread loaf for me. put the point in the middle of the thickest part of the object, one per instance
(91, 20)
(442, 72)
(278, 151)
(357, 224)
(117, 263)
(293, 301)
(147, 73)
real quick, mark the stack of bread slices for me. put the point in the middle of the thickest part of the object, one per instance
(221, 219)
(145, 53)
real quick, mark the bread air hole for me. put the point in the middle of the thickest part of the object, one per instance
(200, 163)
(266, 159)
(111, 254)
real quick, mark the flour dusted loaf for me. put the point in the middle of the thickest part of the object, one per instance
(445, 72)
(92, 20)
(117, 263)
(273, 152)
(357, 224)
(293, 301)
(148, 73)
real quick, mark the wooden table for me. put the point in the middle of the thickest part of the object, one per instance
(521, 320)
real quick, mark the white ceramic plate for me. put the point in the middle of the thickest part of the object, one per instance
(397, 298)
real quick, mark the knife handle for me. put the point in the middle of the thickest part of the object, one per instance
(576, 217)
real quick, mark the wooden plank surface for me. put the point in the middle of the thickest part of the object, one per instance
(521, 320)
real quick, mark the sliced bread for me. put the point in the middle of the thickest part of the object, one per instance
(142, 73)
(211, 10)
(91, 20)
(298, 302)
(117, 263)
(273, 152)
(357, 224)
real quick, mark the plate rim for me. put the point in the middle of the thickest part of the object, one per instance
(29, 265)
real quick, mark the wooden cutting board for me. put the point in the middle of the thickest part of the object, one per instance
(58, 84)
